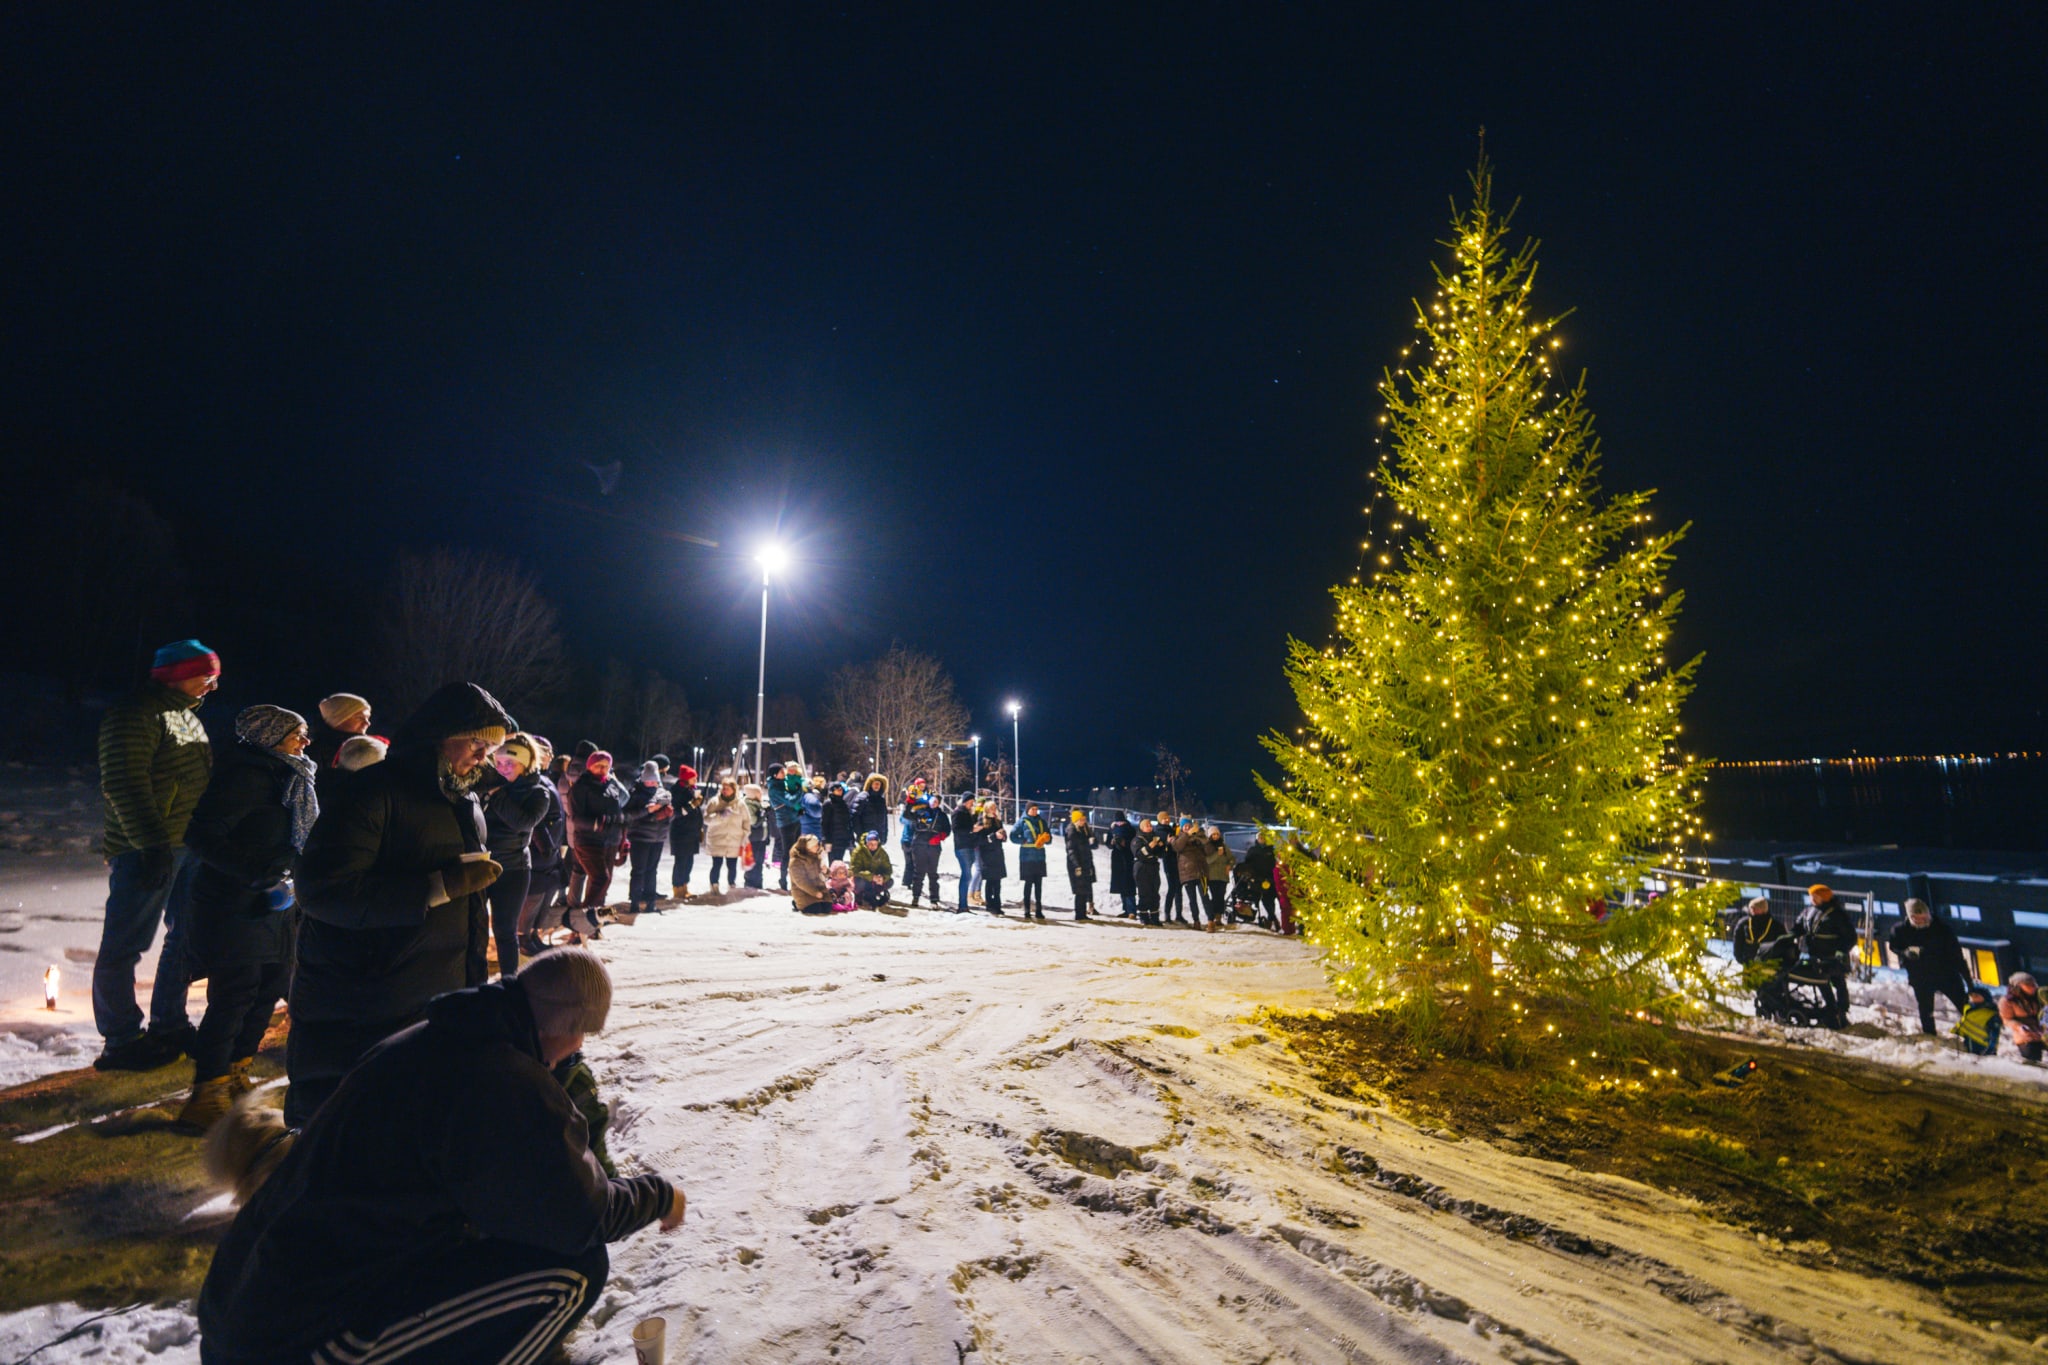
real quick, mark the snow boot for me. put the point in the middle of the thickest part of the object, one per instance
(240, 1082)
(207, 1105)
(144, 1053)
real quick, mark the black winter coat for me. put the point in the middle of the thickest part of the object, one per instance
(511, 810)
(241, 833)
(597, 811)
(1255, 869)
(1149, 853)
(989, 842)
(450, 1130)
(686, 831)
(1122, 879)
(1940, 961)
(551, 836)
(646, 821)
(1080, 856)
(371, 948)
(1830, 933)
(836, 822)
(1758, 937)
(872, 813)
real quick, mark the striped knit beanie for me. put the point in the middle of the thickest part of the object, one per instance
(183, 659)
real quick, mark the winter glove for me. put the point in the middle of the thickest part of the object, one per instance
(619, 858)
(466, 879)
(1912, 954)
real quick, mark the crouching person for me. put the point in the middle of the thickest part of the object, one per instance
(873, 876)
(444, 1204)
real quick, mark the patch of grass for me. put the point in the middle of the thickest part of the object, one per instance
(1843, 1161)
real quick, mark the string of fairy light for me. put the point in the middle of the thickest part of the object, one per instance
(1386, 657)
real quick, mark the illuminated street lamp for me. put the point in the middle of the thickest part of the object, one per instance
(773, 559)
(974, 784)
(1016, 765)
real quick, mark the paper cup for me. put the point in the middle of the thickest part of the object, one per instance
(650, 1341)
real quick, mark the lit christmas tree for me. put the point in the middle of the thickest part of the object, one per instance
(1490, 761)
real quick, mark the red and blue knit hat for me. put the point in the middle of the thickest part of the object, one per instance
(182, 660)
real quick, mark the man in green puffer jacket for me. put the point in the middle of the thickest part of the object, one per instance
(154, 765)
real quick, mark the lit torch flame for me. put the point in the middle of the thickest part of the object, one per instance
(50, 987)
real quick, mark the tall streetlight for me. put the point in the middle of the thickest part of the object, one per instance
(974, 783)
(773, 559)
(1016, 765)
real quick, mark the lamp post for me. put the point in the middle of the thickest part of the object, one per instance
(1016, 764)
(772, 559)
(974, 783)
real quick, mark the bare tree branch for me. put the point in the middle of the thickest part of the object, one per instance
(467, 616)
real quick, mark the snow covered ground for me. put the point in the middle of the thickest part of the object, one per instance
(955, 1138)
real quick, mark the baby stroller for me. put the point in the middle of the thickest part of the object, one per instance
(1797, 995)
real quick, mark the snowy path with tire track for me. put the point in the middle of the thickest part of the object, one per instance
(961, 1139)
(917, 1139)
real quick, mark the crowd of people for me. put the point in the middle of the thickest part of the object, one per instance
(1801, 972)
(369, 882)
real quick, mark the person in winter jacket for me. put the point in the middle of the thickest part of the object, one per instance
(785, 808)
(1933, 959)
(390, 887)
(927, 828)
(514, 805)
(810, 810)
(1149, 853)
(835, 822)
(966, 852)
(1219, 862)
(597, 829)
(443, 1206)
(1255, 875)
(1830, 936)
(1760, 937)
(1170, 867)
(807, 891)
(2021, 1013)
(579, 1083)
(154, 762)
(547, 853)
(1191, 859)
(340, 718)
(871, 811)
(728, 822)
(650, 806)
(254, 818)
(1283, 893)
(685, 832)
(760, 836)
(1979, 1023)
(1123, 877)
(1031, 834)
(989, 839)
(872, 874)
(566, 784)
(1081, 862)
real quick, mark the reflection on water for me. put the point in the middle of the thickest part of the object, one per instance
(1941, 802)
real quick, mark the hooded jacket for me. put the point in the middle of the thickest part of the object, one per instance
(836, 821)
(1191, 855)
(871, 811)
(511, 811)
(807, 881)
(1123, 879)
(597, 811)
(380, 938)
(242, 836)
(448, 1132)
(1080, 855)
(686, 831)
(727, 824)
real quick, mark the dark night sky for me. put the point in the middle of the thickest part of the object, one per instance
(1050, 335)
